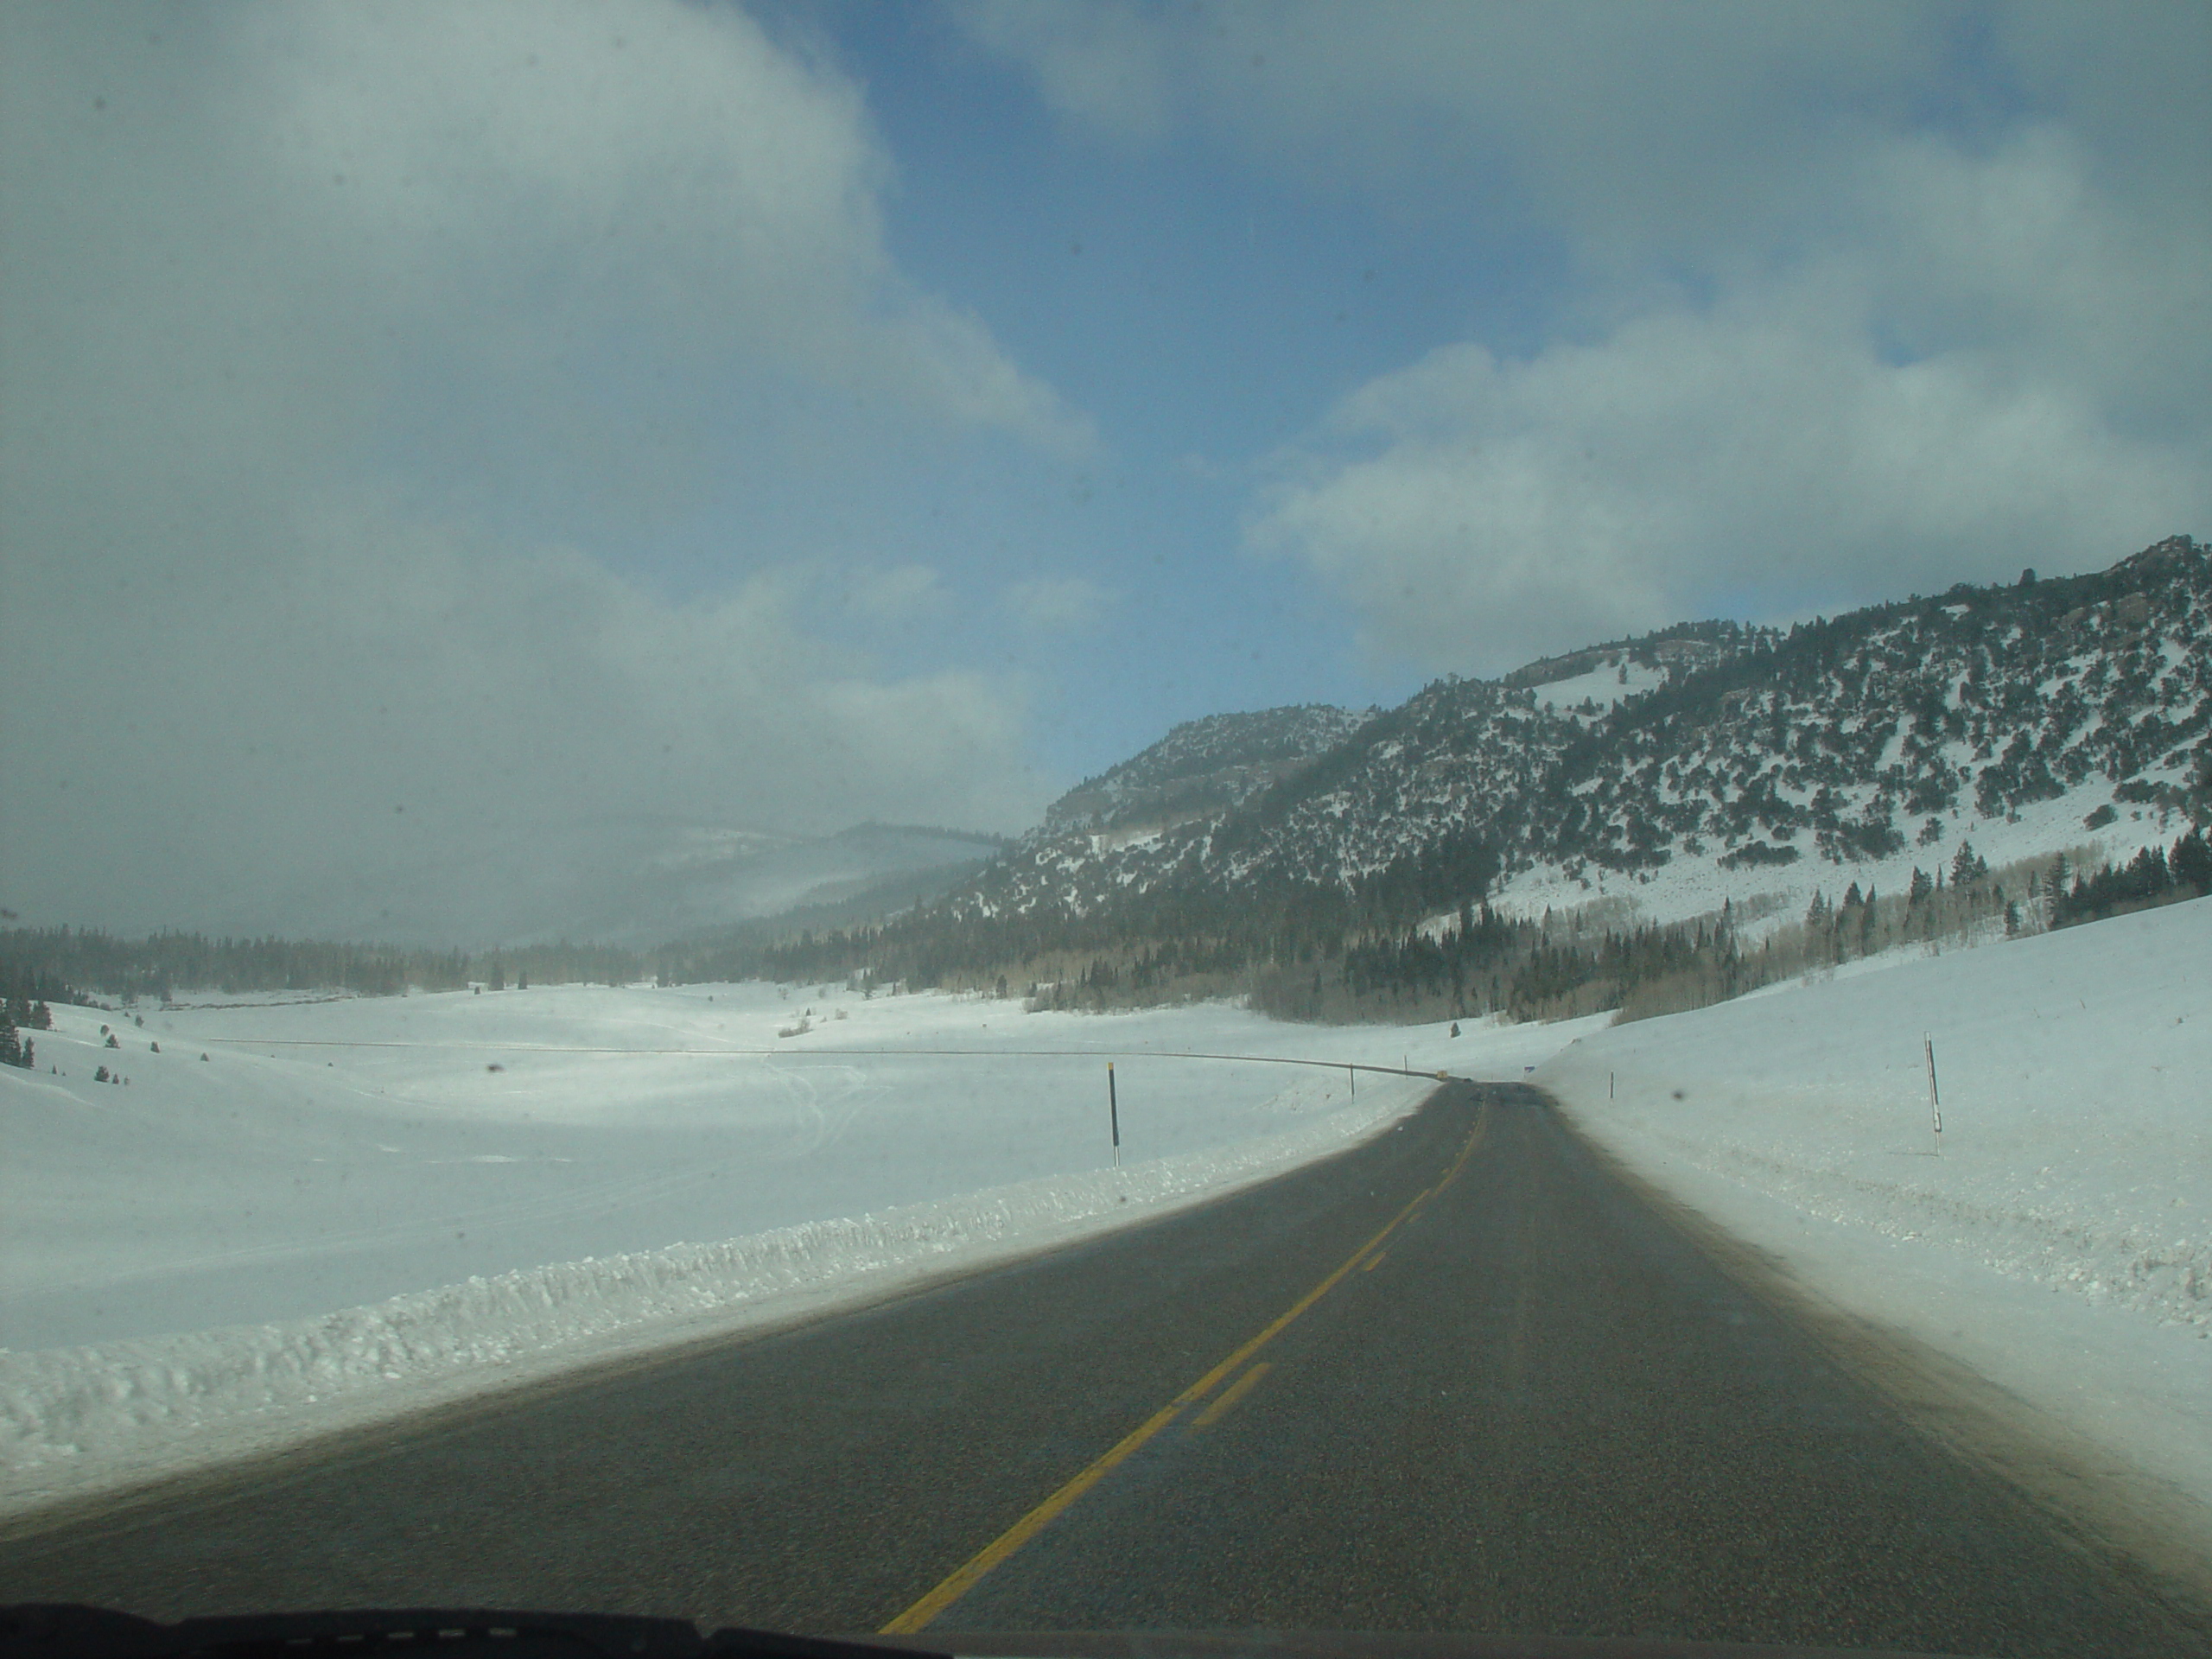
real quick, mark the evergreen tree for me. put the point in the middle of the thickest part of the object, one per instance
(1967, 866)
(2191, 862)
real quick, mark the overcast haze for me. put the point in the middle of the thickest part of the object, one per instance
(450, 451)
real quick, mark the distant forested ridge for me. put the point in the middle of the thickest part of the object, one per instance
(81, 964)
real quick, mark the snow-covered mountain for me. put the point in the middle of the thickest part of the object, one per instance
(1203, 768)
(698, 879)
(634, 882)
(1704, 762)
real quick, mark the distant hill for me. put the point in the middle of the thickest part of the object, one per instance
(1204, 767)
(708, 878)
(634, 883)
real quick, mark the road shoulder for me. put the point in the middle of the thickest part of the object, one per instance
(2109, 1505)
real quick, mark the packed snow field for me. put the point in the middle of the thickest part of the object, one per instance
(328, 1153)
(175, 1246)
(1600, 689)
(351, 1208)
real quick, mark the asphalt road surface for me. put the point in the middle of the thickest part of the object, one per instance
(1458, 1379)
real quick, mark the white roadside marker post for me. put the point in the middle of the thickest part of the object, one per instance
(1935, 1100)
(1114, 1114)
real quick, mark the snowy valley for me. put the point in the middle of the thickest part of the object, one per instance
(355, 1208)
(286, 1214)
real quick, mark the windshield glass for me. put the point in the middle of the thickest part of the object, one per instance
(1111, 815)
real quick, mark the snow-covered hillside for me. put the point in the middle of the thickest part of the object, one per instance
(1204, 767)
(2002, 715)
(2061, 1244)
(1684, 770)
(1597, 691)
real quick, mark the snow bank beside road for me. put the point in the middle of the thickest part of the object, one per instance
(74, 1421)
(2062, 1244)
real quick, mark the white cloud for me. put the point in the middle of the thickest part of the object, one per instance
(400, 703)
(899, 593)
(1478, 513)
(2021, 250)
(1619, 122)
(561, 160)
(1989, 367)
(1968, 394)
(1101, 65)
(300, 299)
(1057, 604)
(1853, 301)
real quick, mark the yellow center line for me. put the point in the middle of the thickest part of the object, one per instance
(1374, 1261)
(1230, 1395)
(965, 1577)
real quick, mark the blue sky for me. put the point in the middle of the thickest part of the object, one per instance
(1203, 312)
(546, 426)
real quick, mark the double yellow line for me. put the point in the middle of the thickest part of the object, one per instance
(965, 1577)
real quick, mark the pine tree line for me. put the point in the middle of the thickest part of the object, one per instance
(2151, 877)
(78, 965)
(1322, 954)
(1300, 951)
(18, 1014)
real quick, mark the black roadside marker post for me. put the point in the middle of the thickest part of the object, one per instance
(1114, 1114)
(1935, 1100)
